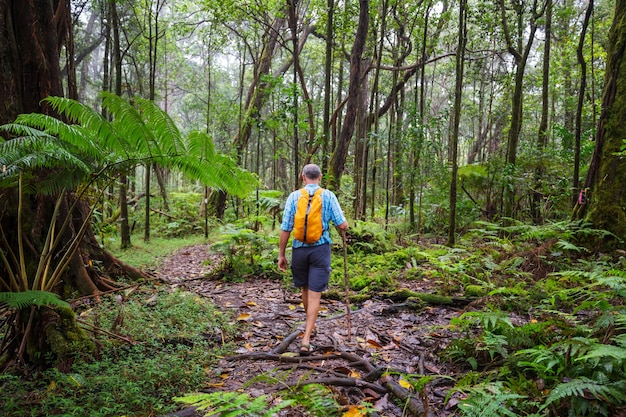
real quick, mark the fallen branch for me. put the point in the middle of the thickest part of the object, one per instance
(413, 404)
(341, 382)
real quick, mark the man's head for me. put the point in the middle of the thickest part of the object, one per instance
(312, 172)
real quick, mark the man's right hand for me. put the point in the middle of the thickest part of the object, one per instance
(282, 263)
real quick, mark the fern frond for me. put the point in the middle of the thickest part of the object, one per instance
(588, 389)
(490, 400)
(233, 404)
(26, 299)
(165, 131)
(201, 144)
(604, 351)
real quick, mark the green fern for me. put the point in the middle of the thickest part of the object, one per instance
(232, 404)
(138, 133)
(490, 400)
(614, 393)
(24, 299)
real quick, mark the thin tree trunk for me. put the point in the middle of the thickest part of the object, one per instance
(454, 139)
(328, 67)
(542, 138)
(521, 58)
(581, 102)
(340, 153)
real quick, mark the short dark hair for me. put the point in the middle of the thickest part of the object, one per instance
(312, 171)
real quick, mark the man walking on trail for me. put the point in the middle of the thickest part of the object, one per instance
(310, 262)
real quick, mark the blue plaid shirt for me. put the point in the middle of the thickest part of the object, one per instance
(331, 211)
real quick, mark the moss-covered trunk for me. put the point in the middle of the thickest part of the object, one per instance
(605, 206)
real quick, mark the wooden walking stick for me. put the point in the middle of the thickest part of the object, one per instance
(347, 282)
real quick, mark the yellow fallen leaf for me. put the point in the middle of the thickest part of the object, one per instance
(224, 375)
(360, 340)
(243, 317)
(355, 411)
(354, 374)
(250, 303)
(405, 384)
(292, 307)
(214, 384)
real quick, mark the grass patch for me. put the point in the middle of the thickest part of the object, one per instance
(143, 254)
(176, 337)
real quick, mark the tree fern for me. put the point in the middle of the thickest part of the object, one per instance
(139, 133)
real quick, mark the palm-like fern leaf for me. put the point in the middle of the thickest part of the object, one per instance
(589, 389)
(137, 133)
(25, 299)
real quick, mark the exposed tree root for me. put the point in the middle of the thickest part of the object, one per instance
(376, 379)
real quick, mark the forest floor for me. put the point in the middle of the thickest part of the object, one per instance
(359, 356)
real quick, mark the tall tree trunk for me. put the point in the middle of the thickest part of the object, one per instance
(32, 37)
(581, 102)
(116, 55)
(543, 134)
(607, 173)
(328, 68)
(454, 139)
(521, 58)
(340, 153)
(258, 90)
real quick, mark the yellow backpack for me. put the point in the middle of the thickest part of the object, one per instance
(307, 225)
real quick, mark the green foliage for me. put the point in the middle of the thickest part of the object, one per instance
(25, 299)
(316, 399)
(582, 392)
(95, 147)
(367, 237)
(174, 338)
(231, 404)
(246, 253)
(490, 400)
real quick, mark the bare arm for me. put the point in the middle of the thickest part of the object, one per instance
(282, 246)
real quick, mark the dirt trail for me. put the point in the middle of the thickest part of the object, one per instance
(402, 341)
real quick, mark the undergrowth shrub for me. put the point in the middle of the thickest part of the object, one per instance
(247, 253)
(567, 359)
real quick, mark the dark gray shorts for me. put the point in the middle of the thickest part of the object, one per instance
(310, 267)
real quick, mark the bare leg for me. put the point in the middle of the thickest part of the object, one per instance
(311, 302)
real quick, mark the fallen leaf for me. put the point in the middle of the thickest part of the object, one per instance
(243, 317)
(374, 344)
(354, 374)
(342, 369)
(214, 384)
(258, 324)
(250, 303)
(355, 411)
(292, 307)
(405, 384)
